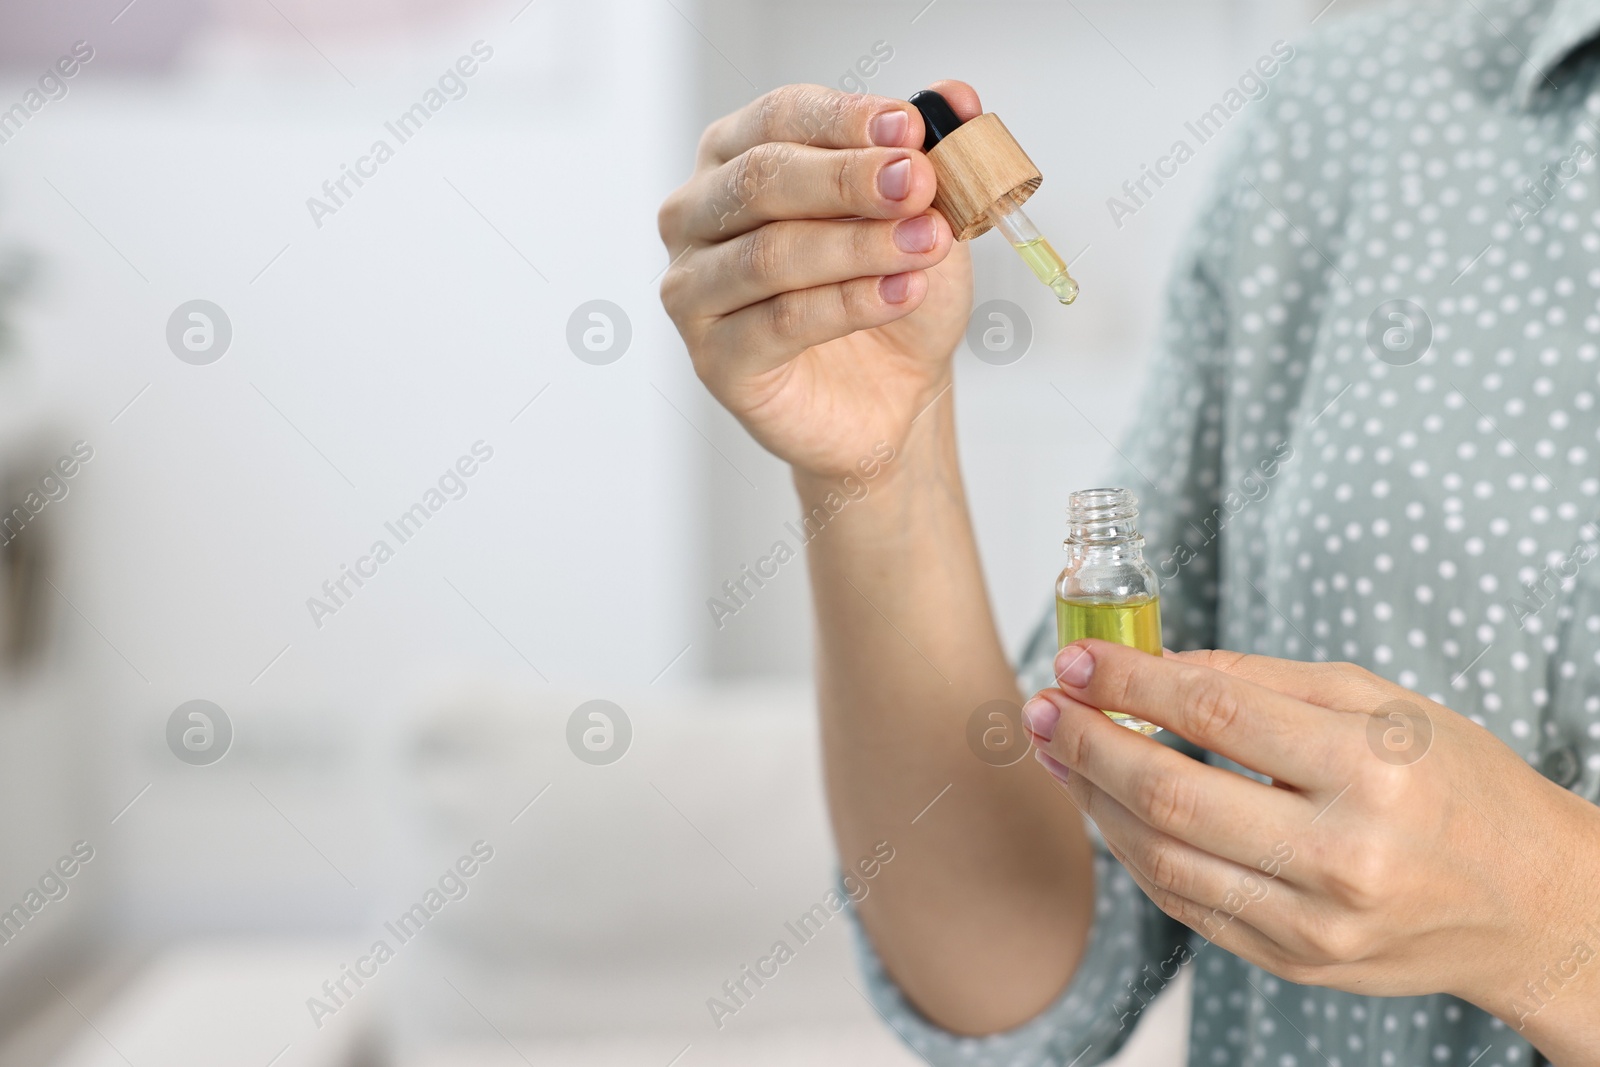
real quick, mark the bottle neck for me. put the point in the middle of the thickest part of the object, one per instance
(1103, 521)
(1130, 549)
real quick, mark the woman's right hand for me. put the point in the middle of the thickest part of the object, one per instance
(820, 296)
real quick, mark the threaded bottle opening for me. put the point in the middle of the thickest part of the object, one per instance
(1102, 517)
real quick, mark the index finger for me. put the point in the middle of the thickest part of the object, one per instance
(962, 98)
(1255, 727)
(1339, 686)
(825, 118)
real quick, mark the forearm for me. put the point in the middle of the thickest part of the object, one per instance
(986, 910)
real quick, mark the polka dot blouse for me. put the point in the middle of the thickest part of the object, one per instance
(1392, 304)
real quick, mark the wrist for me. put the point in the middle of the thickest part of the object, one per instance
(1545, 980)
(924, 451)
(1549, 994)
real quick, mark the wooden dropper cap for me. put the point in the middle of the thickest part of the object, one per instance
(977, 163)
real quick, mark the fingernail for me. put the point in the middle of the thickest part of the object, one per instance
(915, 235)
(1051, 764)
(889, 128)
(1041, 716)
(1074, 666)
(894, 181)
(894, 288)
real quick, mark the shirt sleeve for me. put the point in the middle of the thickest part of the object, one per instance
(1173, 463)
(1091, 1019)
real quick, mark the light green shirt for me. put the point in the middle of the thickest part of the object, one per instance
(1434, 470)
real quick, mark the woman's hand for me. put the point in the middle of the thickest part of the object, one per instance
(820, 296)
(1400, 849)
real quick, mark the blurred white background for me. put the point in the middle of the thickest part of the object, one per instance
(429, 313)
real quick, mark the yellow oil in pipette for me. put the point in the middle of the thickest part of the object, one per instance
(1045, 262)
(1048, 266)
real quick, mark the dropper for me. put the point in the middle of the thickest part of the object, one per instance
(983, 177)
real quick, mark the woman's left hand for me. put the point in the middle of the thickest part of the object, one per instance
(1401, 849)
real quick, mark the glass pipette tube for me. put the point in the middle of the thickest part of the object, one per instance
(1046, 264)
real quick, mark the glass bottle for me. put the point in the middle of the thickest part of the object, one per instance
(1106, 590)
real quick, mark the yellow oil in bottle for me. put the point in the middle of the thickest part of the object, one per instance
(1048, 267)
(1136, 623)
